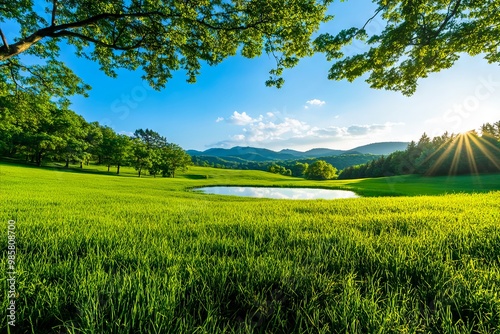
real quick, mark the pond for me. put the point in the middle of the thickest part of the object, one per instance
(280, 193)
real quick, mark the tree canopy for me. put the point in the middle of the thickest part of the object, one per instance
(159, 37)
(37, 130)
(320, 170)
(418, 37)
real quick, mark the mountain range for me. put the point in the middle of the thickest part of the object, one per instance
(262, 154)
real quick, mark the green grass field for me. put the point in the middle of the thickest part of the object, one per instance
(100, 253)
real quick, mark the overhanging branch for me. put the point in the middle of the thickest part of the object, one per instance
(67, 33)
(64, 30)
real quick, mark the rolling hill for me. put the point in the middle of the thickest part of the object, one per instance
(262, 154)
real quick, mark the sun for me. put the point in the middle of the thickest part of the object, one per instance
(464, 153)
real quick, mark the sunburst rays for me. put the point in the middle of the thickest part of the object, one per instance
(465, 149)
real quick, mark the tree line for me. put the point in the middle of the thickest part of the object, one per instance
(317, 170)
(448, 154)
(37, 130)
(285, 167)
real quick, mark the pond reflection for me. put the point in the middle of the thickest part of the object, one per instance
(280, 193)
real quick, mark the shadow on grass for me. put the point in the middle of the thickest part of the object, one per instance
(417, 185)
(195, 177)
(61, 168)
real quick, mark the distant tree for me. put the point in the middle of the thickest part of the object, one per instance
(105, 149)
(273, 168)
(147, 147)
(276, 169)
(121, 151)
(172, 158)
(299, 169)
(94, 138)
(155, 166)
(150, 138)
(73, 129)
(320, 170)
(140, 155)
(51, 136)
(466, 153)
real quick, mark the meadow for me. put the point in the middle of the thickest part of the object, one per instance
(100, 253)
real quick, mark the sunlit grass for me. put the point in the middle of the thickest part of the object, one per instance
(99, 253)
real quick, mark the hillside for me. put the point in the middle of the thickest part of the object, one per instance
(262, 154)
(258, 163)
(384, 148)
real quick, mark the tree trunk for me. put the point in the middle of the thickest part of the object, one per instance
(67, 163)
(118, 169)
(139, 172)
(109, 167)
(81, 164)
(39, 159)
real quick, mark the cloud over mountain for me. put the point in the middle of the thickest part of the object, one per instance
(273, 131)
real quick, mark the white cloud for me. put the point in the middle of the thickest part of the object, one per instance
(219, 119)
(243, 118)
(239, 137)
(288, 132)
(315, 103)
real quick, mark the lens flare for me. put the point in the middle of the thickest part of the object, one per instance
(466, 149)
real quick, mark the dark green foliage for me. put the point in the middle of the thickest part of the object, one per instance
(171, 158)
(299, 169)
(162, 37)
(36, 129)
(146, 146)
(320, 170)
(468, 153)
(277, 169)
(416, 39)
(158, 37)
(296, 166)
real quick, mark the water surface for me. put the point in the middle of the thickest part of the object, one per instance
(280, 193)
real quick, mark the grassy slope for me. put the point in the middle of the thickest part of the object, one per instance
(121, 254)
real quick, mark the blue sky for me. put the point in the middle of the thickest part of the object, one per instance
(230, 104)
